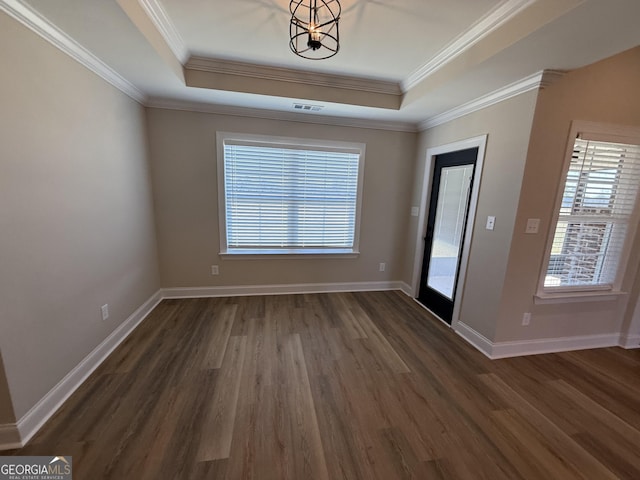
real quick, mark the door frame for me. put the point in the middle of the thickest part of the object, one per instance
(480, 142)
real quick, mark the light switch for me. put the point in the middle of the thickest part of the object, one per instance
(415, 211)
(491, 222)
(533, 224)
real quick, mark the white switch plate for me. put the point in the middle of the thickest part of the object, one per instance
(526, 319)
(215, 270)
(383, 267)
(491, 222)
(104, 309)
(533, 224)
(415, 211)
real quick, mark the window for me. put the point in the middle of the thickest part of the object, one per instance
(597, 214)
(288, 196)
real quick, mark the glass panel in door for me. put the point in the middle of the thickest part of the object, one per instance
(451, 215)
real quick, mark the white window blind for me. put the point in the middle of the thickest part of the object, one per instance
(290, 197)
(599, 199)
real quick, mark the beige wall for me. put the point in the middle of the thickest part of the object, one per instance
(508, 125)
(6, 408)
(183, 153)
(76, 212)
(604, 92)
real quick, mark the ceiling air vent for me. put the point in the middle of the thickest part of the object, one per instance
(307, 108)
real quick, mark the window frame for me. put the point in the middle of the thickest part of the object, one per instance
(284, 142)
(554, 294)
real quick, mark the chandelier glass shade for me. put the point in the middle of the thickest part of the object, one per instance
(313, 29)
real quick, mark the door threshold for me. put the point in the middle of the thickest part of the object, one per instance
(432, 313)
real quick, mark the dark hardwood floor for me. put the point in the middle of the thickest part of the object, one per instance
(341, 386)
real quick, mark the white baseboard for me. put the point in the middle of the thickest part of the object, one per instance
(553, 345)
(629, 341)
(248, 290)
(476, 339)
(495, 350)
(9, 436)
(406, 289)
(31, 422)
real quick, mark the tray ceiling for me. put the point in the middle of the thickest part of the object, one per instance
(402, 62)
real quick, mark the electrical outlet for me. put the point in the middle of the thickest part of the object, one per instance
(215, 270)
(526, 319)
(415, 211)
(383, 267)
(533, 224)
(104, 309)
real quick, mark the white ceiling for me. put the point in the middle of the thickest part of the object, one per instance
(381, 39)
(433, 56)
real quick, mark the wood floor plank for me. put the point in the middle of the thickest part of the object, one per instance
(585, 465)
(434, 470)
(256, 410)
(603, 389)
(533, 383)
(349, 321)
(342, 443)
(608, 426)
(129, 353)
(209, 470)
(415, 414)
(539, 458)
(623, 464)
(401, 455)
(368, 406)
(374, 336)
(165, 436)
(595, 411)
(98, 399)
(354, 386)
(219, 337)
(602, 362)
(180, 456)
(308, 455)
(217, 431)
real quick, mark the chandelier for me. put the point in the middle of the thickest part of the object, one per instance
(313, 29)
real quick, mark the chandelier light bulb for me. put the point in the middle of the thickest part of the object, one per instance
(313, 29)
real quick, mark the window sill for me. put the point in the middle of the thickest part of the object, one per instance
(545, 298)
(246, 254)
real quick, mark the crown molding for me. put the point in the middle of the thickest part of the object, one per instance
(549, 77)
(158, 15)
(527, 84)
(31, 19)
(305, 77)
(278, 115)
(483, 27)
